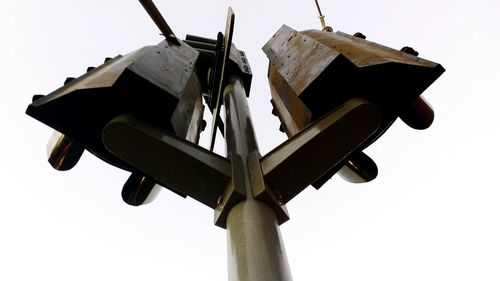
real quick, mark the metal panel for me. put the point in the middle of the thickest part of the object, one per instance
(169, 160)
(219, 83)
(298, 162)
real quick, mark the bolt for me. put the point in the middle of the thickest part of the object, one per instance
(409, 50)
(36, 97)
(359, 35)
(279, 198)
(327, 29)
(69, 79)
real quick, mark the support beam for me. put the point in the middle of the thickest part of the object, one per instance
(255, 249)
(325, 144)
(170, 160)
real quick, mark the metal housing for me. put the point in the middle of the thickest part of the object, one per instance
(156, 84)
(312, 73)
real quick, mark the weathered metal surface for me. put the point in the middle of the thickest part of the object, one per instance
(157, 84)
(325, 69)
(362, 52)
(293, 113)
(299, 59)
(390, 78)
(312, 73)
(143, 112)
(169, 160)
(305, 157)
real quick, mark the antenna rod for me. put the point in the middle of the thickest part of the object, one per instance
(155, 14)
(321, 16)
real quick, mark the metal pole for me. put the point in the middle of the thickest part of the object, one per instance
(255, 248)
(159, 20)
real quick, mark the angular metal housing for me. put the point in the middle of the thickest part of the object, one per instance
(312, 73)
(157, 84)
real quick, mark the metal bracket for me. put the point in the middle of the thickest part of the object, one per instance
(262, 191)
(305, 157)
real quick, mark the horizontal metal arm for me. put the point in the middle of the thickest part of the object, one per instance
(302, 159)
(171, 161)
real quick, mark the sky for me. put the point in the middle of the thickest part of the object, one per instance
(433, 213)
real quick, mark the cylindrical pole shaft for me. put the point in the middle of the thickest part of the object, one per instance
(255, 248)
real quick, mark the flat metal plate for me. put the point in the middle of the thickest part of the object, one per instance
(228, 41)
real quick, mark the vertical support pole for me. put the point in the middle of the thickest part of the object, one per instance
(255, 248)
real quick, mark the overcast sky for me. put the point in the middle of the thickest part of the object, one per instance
(432, 214)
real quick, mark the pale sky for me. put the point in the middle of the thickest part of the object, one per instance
(432, 214)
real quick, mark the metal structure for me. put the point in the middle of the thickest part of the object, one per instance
(311, 73)
(334, 93)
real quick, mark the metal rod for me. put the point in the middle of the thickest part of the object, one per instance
(321, 16)
(319, 9)
(255, 249)
(156, 16)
